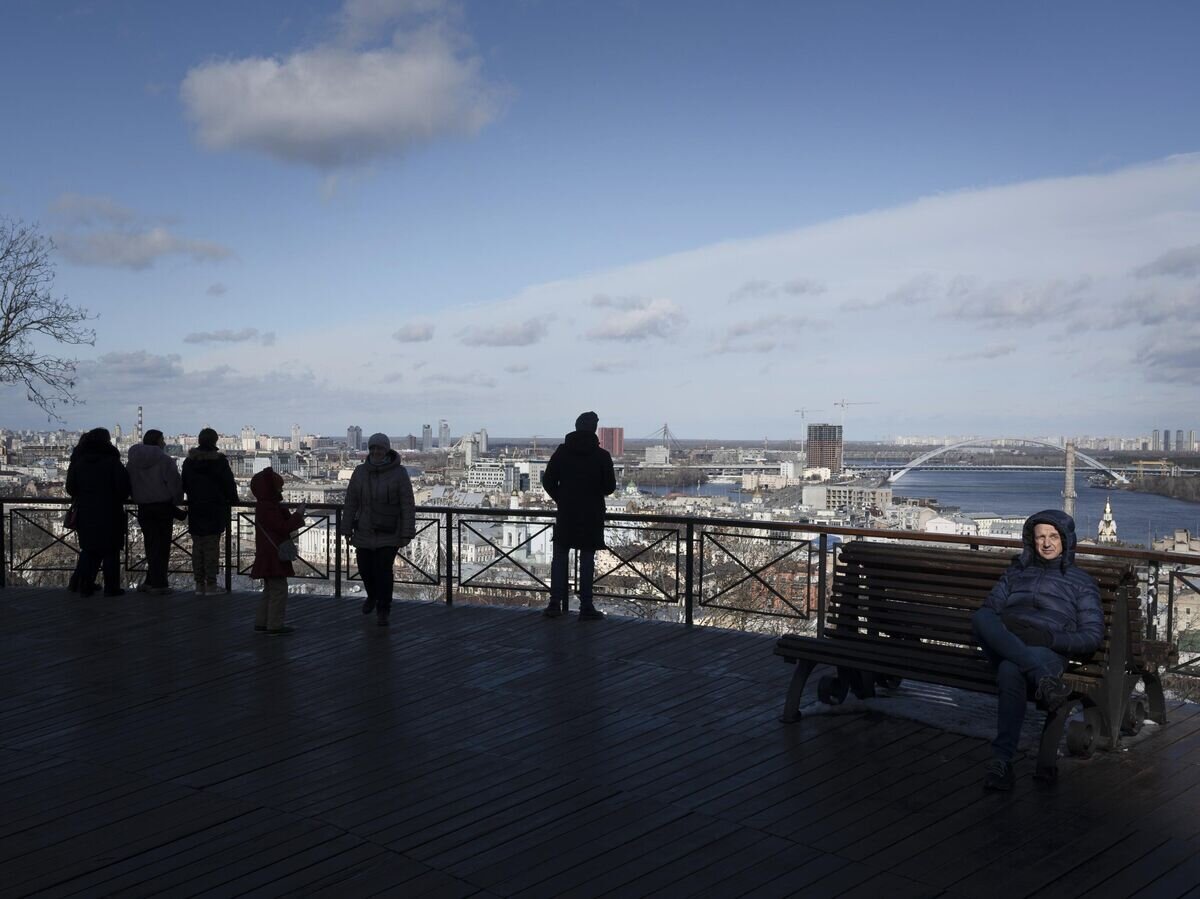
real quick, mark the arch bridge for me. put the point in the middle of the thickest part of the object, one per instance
(992, 441)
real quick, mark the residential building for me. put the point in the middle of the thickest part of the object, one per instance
(613, 440)
(825, 446)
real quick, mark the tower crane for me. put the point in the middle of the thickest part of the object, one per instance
(843, 403)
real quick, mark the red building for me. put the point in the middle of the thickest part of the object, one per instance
(613, 440)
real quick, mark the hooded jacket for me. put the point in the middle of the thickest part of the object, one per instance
(380, 510)
(99, 486)
(578, 477)
(273, 524)
(153, 475)
(1055, 595)
(211, 490)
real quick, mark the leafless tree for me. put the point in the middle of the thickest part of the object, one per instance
(30, 314)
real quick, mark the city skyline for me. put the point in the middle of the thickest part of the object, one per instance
(1003, 238)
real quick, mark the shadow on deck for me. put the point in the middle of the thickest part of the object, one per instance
(158, 745)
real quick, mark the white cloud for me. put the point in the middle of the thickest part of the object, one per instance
(1181, 262)
(225, 335)
(341, 104)
(414, 332)
(638, 319)
(524, 333)
(217, 290)
(758, 289)
(516, 368)
(995, 351)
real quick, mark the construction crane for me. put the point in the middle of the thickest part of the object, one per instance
(804, 410)
(843, 403)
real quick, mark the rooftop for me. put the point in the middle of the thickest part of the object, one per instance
(159, 745)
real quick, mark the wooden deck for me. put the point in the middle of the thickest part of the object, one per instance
(158, 746)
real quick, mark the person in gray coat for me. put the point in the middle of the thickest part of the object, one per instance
(156, 487)
(380, 519)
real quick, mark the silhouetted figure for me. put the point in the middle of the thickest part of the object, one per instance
(380, 518)
(156, 488)
(99, 486)
(1043, 609)
(578, 477)
(211, 491)
(273, 525)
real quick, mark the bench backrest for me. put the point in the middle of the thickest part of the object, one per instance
(926, 595)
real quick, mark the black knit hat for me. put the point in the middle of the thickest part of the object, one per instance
(587, 422)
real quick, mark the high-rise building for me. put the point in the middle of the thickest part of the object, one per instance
(426, 438)
(1191, 444)
(295, 438)
(249, 439)
(1179, 447)
(483, 443)
(443, 434)
(354, 437)
(1166, 445)
(825, 447)
(1155, 441)
(613, 440)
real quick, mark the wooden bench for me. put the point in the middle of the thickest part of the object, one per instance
(900, 611)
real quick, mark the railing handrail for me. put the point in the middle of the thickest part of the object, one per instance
(1090, 549)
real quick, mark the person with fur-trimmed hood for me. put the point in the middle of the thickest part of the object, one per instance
(156, 488)
(211, 491)
(380, 519)
(273, 524)
(1043, 609)
(578, 477)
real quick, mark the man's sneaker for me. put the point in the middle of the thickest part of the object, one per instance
(200, 588)
(998, 775)
(552, 611)
(160, 591)
(590, 613)
(143, 587)
(279, 631)
(368, 606)
(1052, 692)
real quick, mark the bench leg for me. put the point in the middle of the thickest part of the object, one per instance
(1154, 696)
(791, 705)
(1052, 732)
(862, 683)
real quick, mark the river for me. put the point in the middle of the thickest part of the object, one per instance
(1140, 516)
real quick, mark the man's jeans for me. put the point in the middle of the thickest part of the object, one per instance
(1018, 669)
(558, 575)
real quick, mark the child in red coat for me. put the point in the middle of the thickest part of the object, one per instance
(273, 525)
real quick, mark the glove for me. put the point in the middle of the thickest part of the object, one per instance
(1029, 634)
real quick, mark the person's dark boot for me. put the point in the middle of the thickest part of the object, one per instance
(998, 775)
(381, 619)
(554, 610)
(588, 612)
(368, 606)
(1052, 692)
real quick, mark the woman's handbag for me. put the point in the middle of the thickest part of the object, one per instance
(285, 549)
(71, 518)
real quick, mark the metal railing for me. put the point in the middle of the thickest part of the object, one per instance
(748, 574)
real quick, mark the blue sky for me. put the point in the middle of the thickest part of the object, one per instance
(982, 218)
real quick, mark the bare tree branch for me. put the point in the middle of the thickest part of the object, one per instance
(29, 312)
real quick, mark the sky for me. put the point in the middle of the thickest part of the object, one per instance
(957, 218)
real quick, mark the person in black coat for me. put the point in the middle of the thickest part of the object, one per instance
(211, 491)
(578, 477)
(99, 486)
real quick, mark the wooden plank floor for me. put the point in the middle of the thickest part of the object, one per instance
(158, 746)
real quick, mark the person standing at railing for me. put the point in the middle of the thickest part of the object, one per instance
(273, 527)
(578, 477)
(99, 486)
(380, 518)
(211, 491)
(157, 488)
(1043, 609)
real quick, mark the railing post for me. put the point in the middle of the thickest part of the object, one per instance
(1152, 573)
(449, 558)
(689, 561)
(231, 519)
(337, 552)
(3, 552)
(822, 558)
(1170, 605)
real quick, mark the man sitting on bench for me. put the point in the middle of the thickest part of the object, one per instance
(1043, 609)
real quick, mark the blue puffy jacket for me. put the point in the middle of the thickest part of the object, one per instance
(1056, 596)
